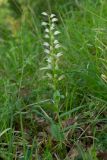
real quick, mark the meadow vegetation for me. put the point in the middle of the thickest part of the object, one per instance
(64, 116)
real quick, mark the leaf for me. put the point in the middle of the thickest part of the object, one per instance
(4, 131)
(28, 154)
(56, 96)
(72, 111)
(56, 132)
(47, 155)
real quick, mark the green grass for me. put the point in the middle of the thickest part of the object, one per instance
(29, 126)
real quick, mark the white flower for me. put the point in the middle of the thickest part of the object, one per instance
(47, 51)
(52, 28)
(56, 41)
(59, 54)
(53, 25)
(54, 20)
(49, 75)
(46, 36)
(47, 30)
(56, 32)
(46, 44)
(44, 13)
(49, 60)
(52, 15)
(61, 77)
(44, 24)
(49, 66)
(57, 46)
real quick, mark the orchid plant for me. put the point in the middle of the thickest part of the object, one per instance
(52, 49)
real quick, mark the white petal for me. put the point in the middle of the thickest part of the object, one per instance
(61, 77)
(59, 54)
(46, 44)
(54, 20)
(44, 24)
(53, 25)
(44, 13)
(46, 36)
(57, 46)
(49, 60)
(47, 30)
(52, 15)
(52, 28)
(49, 75)
(56, 32)
(47, 51)
(56, 42)
(49, 66)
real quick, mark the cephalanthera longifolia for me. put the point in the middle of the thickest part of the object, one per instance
(52, 49)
